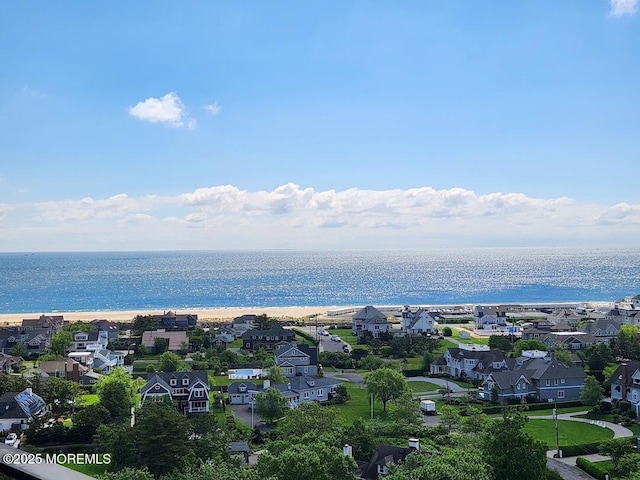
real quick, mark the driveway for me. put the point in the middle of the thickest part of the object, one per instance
(442, 382)
(356, 378)
(618, 430)
(568, 472)
(243, 413)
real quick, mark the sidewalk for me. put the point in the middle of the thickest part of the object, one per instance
(618, 430)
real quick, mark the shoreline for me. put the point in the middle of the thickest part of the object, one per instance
(229, 313)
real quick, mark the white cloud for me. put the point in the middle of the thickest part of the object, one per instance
(213, 108)
(291, 216)
(619, 8)
(168, 110)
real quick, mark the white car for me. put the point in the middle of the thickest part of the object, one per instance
(335, 338)
(11, 439)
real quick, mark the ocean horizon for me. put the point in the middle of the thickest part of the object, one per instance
(138, 280)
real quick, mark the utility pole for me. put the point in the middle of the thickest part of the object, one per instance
(555, 416)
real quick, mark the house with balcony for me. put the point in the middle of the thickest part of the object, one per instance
(537, 375)
(295, 360)
(112, 328)
(268, 339)
(243, 323)
(10, 363)
(189, 390)
(625, 384)
(54, 323)
(490, 317)
(369, 320)
(89, 341)
(419, 321)
(36, 340)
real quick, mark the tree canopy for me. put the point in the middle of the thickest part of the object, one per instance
(385, 384)
(271, 405)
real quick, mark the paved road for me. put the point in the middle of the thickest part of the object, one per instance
(325, 344)
(243, 413)
(442, 382)
(356, 378)
(568, 472)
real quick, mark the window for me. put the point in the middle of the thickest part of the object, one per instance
(562, 381)
(547, 382)
(320, 392)
(555, 381)
(173, 382)
(185, 381)
(518, 386)
(306, 394)
(198, 393)
(560, 393)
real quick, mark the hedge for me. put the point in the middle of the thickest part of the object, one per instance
(591, 468)
(416, 372)
(305, 335)
(534, 406)
(583, 449)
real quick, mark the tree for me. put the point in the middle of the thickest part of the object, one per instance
(263, 322)
(160, 345)
(447, 332)
(592, 392)
(170, 362)
(60, 342)
(128, 473)
(528, 345)
(501, 342)
(275, 375)
(371, 362)
(475, 422)
(19, 350)
(91, 417)
(144, 323)
(427, 359)
(461, 463)
(117, 393)
(211, 471)
(361, 439)
(405, 409)
(514, 454)
(629, 464)
(61, 394)
(306, 460)
(271, 405)
(597, 356)
(309, 418)
(616, 448)
(563, 356)
(385, 384)
(161, 436)
(626, 344)
(450, 417)
(79, 327)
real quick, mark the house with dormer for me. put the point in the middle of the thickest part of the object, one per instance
(9, 363)
(268, 339)
(303, 389)
(188, 390)
(294, 360)
(419, 321)
(242, 393)
(602, 330)
(17, 409)
(625, 384)
(176, 321)
(36, 340)
(88, 341)
(490, 317)
(470, 361)
(54, 323)
(539, 376)
(369, 320)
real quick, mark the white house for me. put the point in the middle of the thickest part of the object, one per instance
(420, 321)
(369, 319)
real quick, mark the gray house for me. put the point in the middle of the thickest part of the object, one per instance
(470, 361)
(190, 390)
(544, 378)
(297, 360)
(625, 384)
(369, 319)
(308, 389)
(241, 393)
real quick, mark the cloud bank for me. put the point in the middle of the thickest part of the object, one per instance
(619, 8)
(290, 216)
(168, 110)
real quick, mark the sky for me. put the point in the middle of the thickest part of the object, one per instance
(319, 125)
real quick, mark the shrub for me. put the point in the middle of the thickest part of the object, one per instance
(447, 332)
(624, 406)
(591, 468)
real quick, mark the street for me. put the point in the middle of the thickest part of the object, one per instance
(325, 344)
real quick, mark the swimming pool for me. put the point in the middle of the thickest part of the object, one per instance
(245, 373)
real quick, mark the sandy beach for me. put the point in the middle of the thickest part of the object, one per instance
(204, 314)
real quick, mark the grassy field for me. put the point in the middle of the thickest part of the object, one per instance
(347, 335)
(570, 433)
(86, 400)
(359, 406)
(91, 470)
(423, 387)
(476, 341)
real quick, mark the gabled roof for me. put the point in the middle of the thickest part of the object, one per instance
(623, 373)
(194, 376)
(309, 351)
(384, 455)
(234, 387)
(301, 383)
(25, 404)
(370, 314)
(154, 379)
(275, 331)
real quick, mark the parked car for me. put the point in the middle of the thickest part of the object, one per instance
(335, 338)
(11, 439)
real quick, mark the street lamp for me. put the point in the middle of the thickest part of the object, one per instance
(555, 417)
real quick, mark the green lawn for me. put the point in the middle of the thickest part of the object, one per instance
(224, 380)
(237, 343)
(86, 400)
(359, 406)
(347, 335)
(91, 470)
(476, 341)
(570, 433)
(423, 386)
(442, 347)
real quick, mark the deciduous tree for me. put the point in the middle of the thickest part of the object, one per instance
(592, 392)
(170, 362)
(385, 384)
(271, 405)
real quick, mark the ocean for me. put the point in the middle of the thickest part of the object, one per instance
(50, 282)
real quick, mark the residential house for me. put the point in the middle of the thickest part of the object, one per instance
(542, 377)
(268, 339)
(242, 393)
(36, 340)
(49, 322)
(625, 384)
(296, 360)
(303, 389)
(490, 317)
(568, 316)
(176, 321)
(106, 360)
(418, 321)
(66, 368)
(82, 341)
(243, 323)
(9, 363)
(90, 379)
(190, 390)
(570, 340)
(112, 328)
(469, 361)
(18, 408)
(176, 340)
(369, 319)
(602, 330)
(384, 456)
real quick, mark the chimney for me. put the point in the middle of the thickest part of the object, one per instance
(347, 450)
(414, 443)
(266, 384)
(75, 374)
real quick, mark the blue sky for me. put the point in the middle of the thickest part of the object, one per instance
(319, 124)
